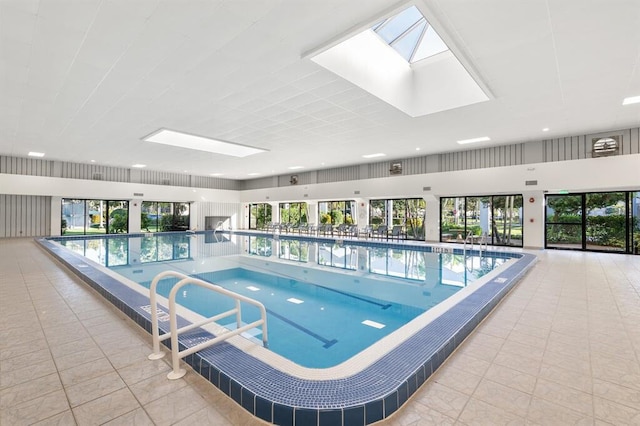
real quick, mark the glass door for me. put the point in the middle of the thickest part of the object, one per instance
(606, 216)
(564, 221)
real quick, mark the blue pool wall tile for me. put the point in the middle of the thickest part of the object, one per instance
(282, 415)
(248, 400)
(305, 417)
(264, 409)
(374, 411)
(353, 416)
(366, 397)
(331, 418)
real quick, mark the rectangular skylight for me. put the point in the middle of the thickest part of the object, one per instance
(378, 154)
(36, 154)
(474, 140)
(631, 100)
(201, 143)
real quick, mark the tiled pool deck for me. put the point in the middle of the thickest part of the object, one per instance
(561, 349)
(364, 396)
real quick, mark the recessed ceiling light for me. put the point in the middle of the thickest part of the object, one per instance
(474, 140)
(631, 100)
(93, 161)
(36, 154)
(215, 174)
(253, 174)
(546, 129)
(139, 166)
(200, 143)
(378, 154)
(418, 149)
(296, 167)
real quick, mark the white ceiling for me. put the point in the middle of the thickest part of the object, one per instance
(85, 80)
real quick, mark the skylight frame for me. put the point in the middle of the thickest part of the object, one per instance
(380, 25)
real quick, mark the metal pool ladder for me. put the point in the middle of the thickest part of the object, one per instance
(176, 353)
(469, 239)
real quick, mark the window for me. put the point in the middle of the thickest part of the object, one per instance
(164, 216)
(337, 212)
(294, 213)
(85, 217)
(595, 221)
(259, 215)
(497, 218)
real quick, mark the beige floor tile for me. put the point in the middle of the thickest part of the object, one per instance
(512, 378)
(94, 388)
(542, 412)
(155, 387)
(29, 390)
(105, 408)
(137, 417)
(16, 376)
(615, 413)
(480, 413)
(443, 399)
(85, 371)
(63, 419)
(507, 398)
(457, 379)
(569, 378)
(175, 407)
(143, 369)
(616, 393)
(34, 410)
(573, 399)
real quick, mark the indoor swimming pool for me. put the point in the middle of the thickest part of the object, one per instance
(325, 301)
(355, 327)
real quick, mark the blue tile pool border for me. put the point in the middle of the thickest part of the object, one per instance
(367, 396)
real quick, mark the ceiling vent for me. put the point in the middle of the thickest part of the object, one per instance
(606, 146)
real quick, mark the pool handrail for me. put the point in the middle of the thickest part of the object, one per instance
(176, 354)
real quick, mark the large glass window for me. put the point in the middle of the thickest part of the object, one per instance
(259, 215)
(294, 213)
(634, 227)
(452, 219)
(606, 215)
(84, 217)
(598, 221)
(563, 228)
(407, 215)
(164, 216)
(498, 218)
(337, 212)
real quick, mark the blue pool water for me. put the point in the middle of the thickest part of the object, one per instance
(325, 301)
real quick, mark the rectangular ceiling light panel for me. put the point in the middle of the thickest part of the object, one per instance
(201, 143)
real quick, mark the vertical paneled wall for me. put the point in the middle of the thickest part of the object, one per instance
(25, 216)
(496, 156)
(579, 147)
(154, 177)
(94, 172)
(26, 166)
(232, 210)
